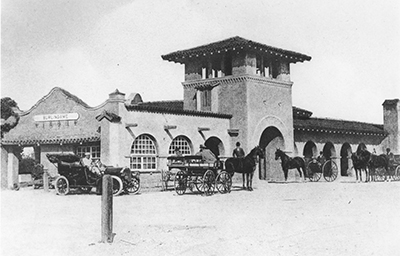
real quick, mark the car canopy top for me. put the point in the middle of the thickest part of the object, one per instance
(64, 157)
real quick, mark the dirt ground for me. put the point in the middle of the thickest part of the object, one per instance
(339, 218)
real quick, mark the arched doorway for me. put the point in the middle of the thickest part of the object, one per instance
(215, 145)
(269, 168)
(345, 156)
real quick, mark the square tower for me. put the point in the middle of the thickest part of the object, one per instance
(249, 80)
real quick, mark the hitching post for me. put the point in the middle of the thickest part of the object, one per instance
(45, 180)
(106, 210)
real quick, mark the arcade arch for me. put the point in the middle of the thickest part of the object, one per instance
(310, 150)
(345, 159)
(329, 151)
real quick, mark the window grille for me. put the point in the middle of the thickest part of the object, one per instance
(93, 150)
(143, 154)
(183, 144)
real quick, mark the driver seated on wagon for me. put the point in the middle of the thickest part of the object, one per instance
(206, 155)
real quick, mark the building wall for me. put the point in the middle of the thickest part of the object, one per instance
(153, 124)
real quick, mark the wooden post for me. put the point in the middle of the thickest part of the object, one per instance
(107, 210)
(45, 180)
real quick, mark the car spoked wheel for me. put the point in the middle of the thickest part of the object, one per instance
(134, 186)
(62, 186)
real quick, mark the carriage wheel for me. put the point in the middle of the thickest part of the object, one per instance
(62, 186)
(380, 174)
(223, 182)
(208, 182)
(117, 185)
(180, 182)
(396, 175)
(314, 172)
(192, 183)
(134, 186)
(198, 182)
(330, 171)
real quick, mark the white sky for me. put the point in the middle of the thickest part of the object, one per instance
(93, 47)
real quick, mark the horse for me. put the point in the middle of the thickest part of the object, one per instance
(360, 163)
(290, 163)
(379, 161)
(245, 166)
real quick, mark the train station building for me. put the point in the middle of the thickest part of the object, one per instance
(234, 90)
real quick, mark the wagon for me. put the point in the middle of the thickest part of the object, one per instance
(74, 175)
(316, 169)
(193, 173)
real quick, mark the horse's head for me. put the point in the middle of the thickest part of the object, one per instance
(278, 153)
(256, 152)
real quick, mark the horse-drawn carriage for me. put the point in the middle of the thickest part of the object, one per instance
(193, 173)
(381, 167)
(74, 175)
(313, 168)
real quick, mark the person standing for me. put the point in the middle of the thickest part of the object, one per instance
(238, 152)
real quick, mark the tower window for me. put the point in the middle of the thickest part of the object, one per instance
(206, 99)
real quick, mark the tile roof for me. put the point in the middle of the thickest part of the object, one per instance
(335, 125)
(234, 43)
(172, 107)
(48, 140)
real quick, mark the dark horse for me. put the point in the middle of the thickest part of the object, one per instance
(360, 163)
(378, 161)
(290, 163)
(246, 165)
(364, 160)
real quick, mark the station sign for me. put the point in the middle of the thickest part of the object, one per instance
(56, 117)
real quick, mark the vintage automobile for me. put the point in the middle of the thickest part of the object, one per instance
(74, 175)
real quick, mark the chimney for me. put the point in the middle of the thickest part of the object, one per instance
(391, 124)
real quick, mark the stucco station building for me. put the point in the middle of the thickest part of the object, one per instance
(234, 90)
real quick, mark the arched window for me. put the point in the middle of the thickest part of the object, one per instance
(183, 143)
(143, 154)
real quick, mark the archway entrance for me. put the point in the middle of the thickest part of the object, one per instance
(269, 168)
(345, 158)
(215, 145)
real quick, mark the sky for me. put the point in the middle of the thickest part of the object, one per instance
(93, 47)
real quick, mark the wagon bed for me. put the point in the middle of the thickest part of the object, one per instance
(192, 172)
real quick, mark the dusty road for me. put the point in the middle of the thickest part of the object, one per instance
(338, 218)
